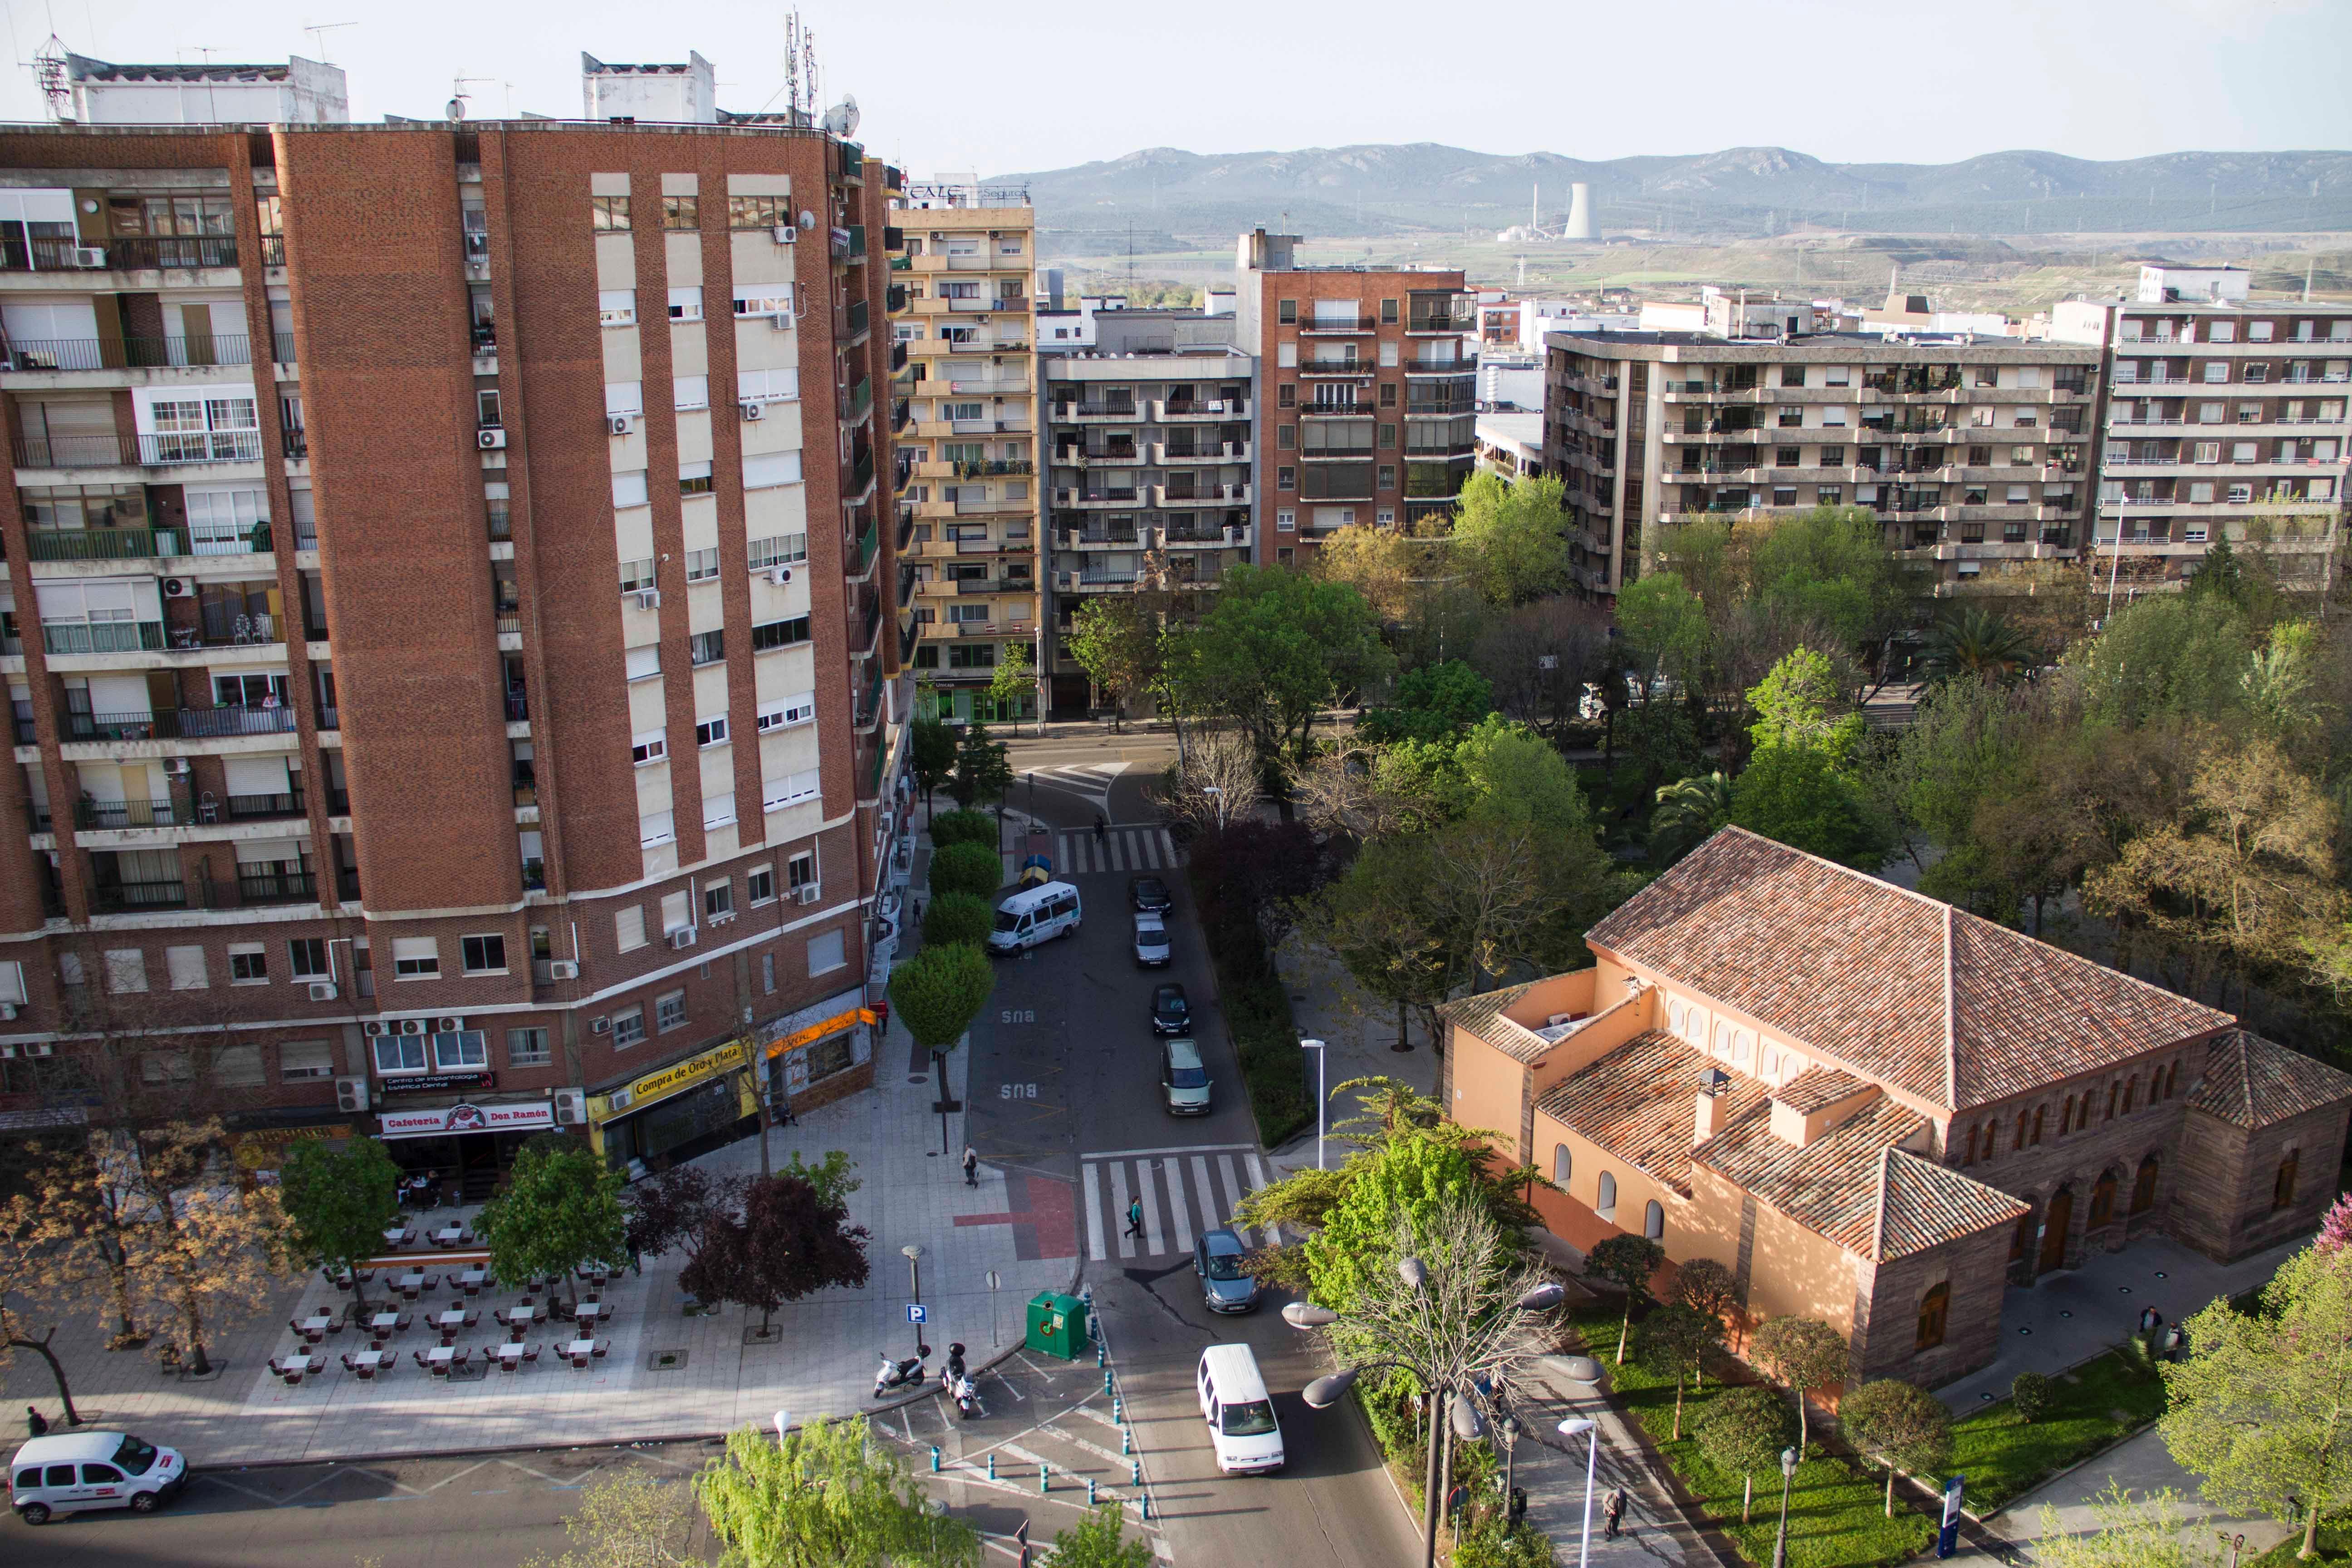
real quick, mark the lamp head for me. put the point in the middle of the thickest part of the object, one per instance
(1575, 1427)
(1543, 1297)
(1468, 1426)
(1412, 1272)
(1325, 1392)
(1789, 1462)
(910, 1252)
(1307, 1315)
(1581, 1368)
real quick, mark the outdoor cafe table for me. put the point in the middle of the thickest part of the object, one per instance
(471, 1279)
(449, 1235)
(439, 1357)
(511, 1354)
(408, 1284)
(383, 1323)
(399, 1236)
(518, 1317)
(578, 1351)
(373, 1361)
(314, 1325)
(586, 1312)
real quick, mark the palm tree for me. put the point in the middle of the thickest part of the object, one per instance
(1688, 813)
(1980, 642)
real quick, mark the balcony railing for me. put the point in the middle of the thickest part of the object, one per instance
(254, 807)
(105, 543)
(184, 724)
(153, 253)
(518, 708)
(273, 888)
(226, 627)
(500, 527)
(102, 636)
(1327, 323)
(861, 473)
(120, 814)
(132, 352)
(124, 898)
(157, 451)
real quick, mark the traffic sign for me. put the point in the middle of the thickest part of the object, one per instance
(918, 1313)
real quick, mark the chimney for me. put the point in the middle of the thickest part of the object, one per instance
(1704, 1119)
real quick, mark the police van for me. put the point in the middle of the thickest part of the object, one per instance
(1039, 914)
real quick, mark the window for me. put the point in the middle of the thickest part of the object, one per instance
(636, 576)
(1284, 521)
(158, 1068)
(1606, 1208)
(617, 307)
(126, 971)
(669, 1011)
(399, 1053)
(718, 901)
(779, 634)
(768, 974)
(307, 957)
(415, 958)
(1287, 312)
(651, 746)
(527, 1048)
(686, 304)
(185, 966)
(485, 954)
(1388, 312)
(1654, 1220)
(791, 790)
(629, 928)
(777, 550)
(1285, 397)
(688, 393)
(2036, 1138)
(1285, 438)
(826, 952)
(249, 964)
(628, 1027)
(1792, 375)
(801, 870)
(1933, 1307)
(1286, 478)
(795, 710)
(299, 1059)
(2283, 1184)
(2113, 1089)
(237, 1066)
(629, 489)
(759, 886)
(681, 212)
(1562, 1162)
(463, 1050)
(711, 731)
(707, 647)
(717, 809)
(611, 213)
(757, 211)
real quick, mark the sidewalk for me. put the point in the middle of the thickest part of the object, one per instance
(1358, 1032)
(2143, 1465)
(1551, 1468)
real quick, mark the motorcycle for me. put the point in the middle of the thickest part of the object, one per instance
(960, 1383)
(899, 1373)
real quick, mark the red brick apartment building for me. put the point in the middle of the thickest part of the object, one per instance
(446, 625)
(1368, 406)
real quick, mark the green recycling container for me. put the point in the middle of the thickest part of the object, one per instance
(1057, 1325)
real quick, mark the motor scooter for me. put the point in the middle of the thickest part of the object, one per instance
(960, 1385)
(899, 1374)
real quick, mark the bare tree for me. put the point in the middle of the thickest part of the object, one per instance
(1215, 782)
(1541, 657)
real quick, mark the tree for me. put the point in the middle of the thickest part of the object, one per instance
(561, 1209)
(83, 1208)
(937, 993)
(1830, 567)
(951, 827)
(1705, 1285)
(1627, 1262)
(196, 1244)
(1435, 702)
(2029, 1395)
(957, 917)
(930, 753)
(1512, 534)
(1689, 813)
(1115, 638)
(2165, 656)
(1410, 1181)
(1797, 794)
(1099, 1541)
(47, 1274)
(1665, 628)
(1542, 657)
(1676, 1338)
(2262, 1410)
(1015, 683)
(1978, 644)
(825, 1498)
(627, 1519)
(1741, 1433)
(338, 1203)
(1797, 704)
(1799, 1354)
(2152, 1532)
(1274, 650)
(977, 870)
(788, 1243)
(1213, 782)
(1379, 920)
(982, 773)
(1900, 1426)
(671, 1210)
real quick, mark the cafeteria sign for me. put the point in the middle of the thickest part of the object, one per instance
(451, 1119)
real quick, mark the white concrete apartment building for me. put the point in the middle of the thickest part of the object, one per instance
(2225, 419)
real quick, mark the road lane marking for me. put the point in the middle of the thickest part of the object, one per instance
(1177, 1210)
(1234, 1192)
(1214, 1215)
(1095, 1238)
(1143, 1154)
(1152, 1231)
(1119, 1202)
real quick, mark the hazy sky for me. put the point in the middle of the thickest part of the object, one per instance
(995, 88)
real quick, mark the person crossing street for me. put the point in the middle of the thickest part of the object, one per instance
(1135, 1217)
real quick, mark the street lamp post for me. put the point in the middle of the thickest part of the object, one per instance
(1578, 1427)
(1787, 1474)
(1322, 1078)
(1213, 789)
(914, 1256)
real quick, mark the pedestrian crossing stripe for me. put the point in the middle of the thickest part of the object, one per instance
(1128, 849)
(1175, 1187)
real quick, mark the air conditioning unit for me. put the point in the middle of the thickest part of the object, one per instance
(786, 234)
(322, 991)
(562, 969)
(780, 576)
(754, 410)
(447, 1025)
(411, 1025)
(175, 767)
(351, 1094)
(570, 1107)
(809, 892)
(600, 1025)
(377, 1028)
(647, 598)
(682, 937)
(491, 439)
(619, 424)
(179, 588)
(780, 323)
(90, 256)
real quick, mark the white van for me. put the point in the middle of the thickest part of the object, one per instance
(1242, 1427)
(1038, 915)
(78, 1472)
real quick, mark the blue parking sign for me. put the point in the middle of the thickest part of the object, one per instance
(918, 1313)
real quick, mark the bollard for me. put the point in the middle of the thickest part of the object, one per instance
(1114, 1408)
(1101, 1359)
(1090, 1491)
(935, 1458)
(1135, 1472)
(1147, 1507)
(992, 1467)
(1125, 1440)
(1043, 1479)
(1106, 1380)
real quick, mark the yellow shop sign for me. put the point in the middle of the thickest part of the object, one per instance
(670, 1081)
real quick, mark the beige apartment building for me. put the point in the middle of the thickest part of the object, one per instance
(2225, 419)
(1972, 451)
(964, 412)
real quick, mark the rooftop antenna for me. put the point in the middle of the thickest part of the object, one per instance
(801, 92)
(459, 97)
(49, 76)
(317, 30)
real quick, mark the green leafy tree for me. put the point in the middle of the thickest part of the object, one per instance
(2262, 1409)
(562, 1208)
(1978, 644)
(627, 1519)
(1742, 1431)
(2029, 1395)
(976, 870)
(1115, 638)
(930, 754)
(964, 827)
(1674, 1338)
(1900, 1426)
(1099, 1541)
(1830, 567)
(2149, 1532)
(1798, 705)
(1626, 1261)
(1014, 685)
(1512, 534)
(983, 773)
(1379, 921)
(937, 993)
(1705, 1285)
(957, 917)
(1492, 1543)
(1689, 812)
(1660, 745)
(1414, 1176)
(1665, 627)
(338, 1204)
(825, 1498)
(1276, 650)
(1435, 702)
(2167, 656)
(1798, 796)
(1799, 1354)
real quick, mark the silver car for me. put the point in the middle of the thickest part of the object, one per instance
(1150, 941)
(1224, 1285)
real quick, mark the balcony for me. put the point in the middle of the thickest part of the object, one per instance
(861, 475)
(102, 636)
(518, 706)
(182, 724)
(1074, 412)
(136, 897)
(133, 354)
(1098, 497)
(1323, 325)
(856, 322)
(166, 253)
(988, 345)
(113, 814)
(1441, 367)
(106, 543)
(1219, 452)
(149, 451)
(1337, 367)
(1099, 539)
(1179, 408)
(267, 887)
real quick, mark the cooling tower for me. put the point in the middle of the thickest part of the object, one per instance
(1579, 213)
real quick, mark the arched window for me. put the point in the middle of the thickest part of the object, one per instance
(2282, 1188)
(1561, 1164)
(2066, 1118)
(2022, 1237)
(2144, 1186)
(1654, 1220)
(2113, 1091)
(1933, 1307)
(2172, 1078)
(2021, 1129)
(2037, 1123)
(2102, 1199)
(2131, 1093)
(1969, 1158)
(1607, 1206)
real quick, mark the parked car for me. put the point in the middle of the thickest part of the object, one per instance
(1183, 1077)
(1150, 894)
(81, 1472)
(1171, 1013)
(1225, 1284)
(1150, 941)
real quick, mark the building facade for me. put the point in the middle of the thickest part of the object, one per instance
(1877, 1111)
(1972, 452)
(2225, 419)
(444, 602)
(1151, 467)
(964, 411)
(1370, 387)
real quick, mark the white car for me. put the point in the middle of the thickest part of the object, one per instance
(79, 1472)
(1150, 941)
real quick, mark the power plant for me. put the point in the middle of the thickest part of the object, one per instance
(1579, 213)
(1580, 225)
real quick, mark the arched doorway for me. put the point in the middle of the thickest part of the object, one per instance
(2103, 1200)
(2020, 1240)
(2054, 1230)
(2143, 1196)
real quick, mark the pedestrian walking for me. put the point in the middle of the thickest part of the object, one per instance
(35, 1424)
(971, 1166)
(1102, 828)
(1612, 1511)
(1135, 1217)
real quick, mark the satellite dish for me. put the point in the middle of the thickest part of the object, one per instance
(808, 219)
(457, 109)
(842, 118)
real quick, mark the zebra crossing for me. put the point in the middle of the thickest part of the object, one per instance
(1091, 780)
(1141, 849)
(1185, 1192)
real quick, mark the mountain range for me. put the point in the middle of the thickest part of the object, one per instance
(1738, 193)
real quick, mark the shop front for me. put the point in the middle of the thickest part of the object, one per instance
(819, 1054)
(685, 1108)
(470, 1142)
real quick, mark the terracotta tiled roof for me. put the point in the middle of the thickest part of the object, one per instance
(1478, 1014)
(1899, 987)
(1831, 1185)
(2251, 1082)
(1817, 1088)
(1922, 1205)
(1640, 1102)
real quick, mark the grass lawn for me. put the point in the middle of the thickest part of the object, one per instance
(1836, 1517)
(2004, 1457)
(2335, 1546)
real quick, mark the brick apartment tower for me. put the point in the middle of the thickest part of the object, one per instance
(574, 788)
(1370, 411)
(963, 413)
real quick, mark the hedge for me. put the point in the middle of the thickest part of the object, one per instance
(950, 827)
(971, 868)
